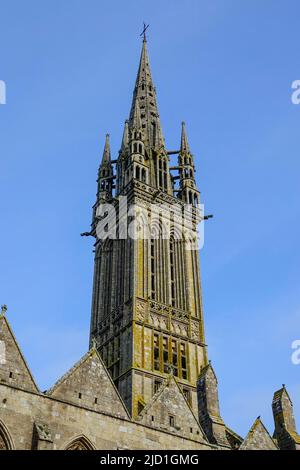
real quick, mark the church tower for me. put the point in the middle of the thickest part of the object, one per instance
(147, 315)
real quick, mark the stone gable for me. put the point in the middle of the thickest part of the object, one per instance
(168, 410)
(88, 384)
(13, 368)
(258, 438)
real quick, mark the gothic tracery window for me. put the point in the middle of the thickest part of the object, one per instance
(137, 173)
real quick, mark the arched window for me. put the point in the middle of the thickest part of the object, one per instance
(172, 272)
(143, 175)
(165, 176)
(162, 173)
(5, 441)
(137, 172)
(160, 180)
(107, 255)
(80, 443)
(177, 273)
(135, 147)
(152, 257)
(159, 282)
(153, 133)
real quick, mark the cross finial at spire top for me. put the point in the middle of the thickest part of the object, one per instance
(143, 33)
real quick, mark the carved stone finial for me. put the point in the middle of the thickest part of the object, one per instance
(94, 343)
(3, 309)
(171, 369)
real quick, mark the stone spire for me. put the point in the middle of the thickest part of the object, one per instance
(106, 153)
(144, 103)
(105, 173)
(188, 191)
(125, 139)
(184, 147)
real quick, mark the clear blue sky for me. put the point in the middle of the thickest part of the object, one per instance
(226, 68)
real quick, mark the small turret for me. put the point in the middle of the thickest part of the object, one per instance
(105, 174)
(285, 426)
(136, 167)
(125, 139)
(188, 192)
(209, 409)
(136, 135)
(122, 162)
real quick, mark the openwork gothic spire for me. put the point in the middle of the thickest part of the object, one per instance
(144, 99)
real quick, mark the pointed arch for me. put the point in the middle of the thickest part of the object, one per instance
(80, 443)
(177, 263)
(107, 253)
(6, 442)
(162, 172)
(137, 173)
(159, 272)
